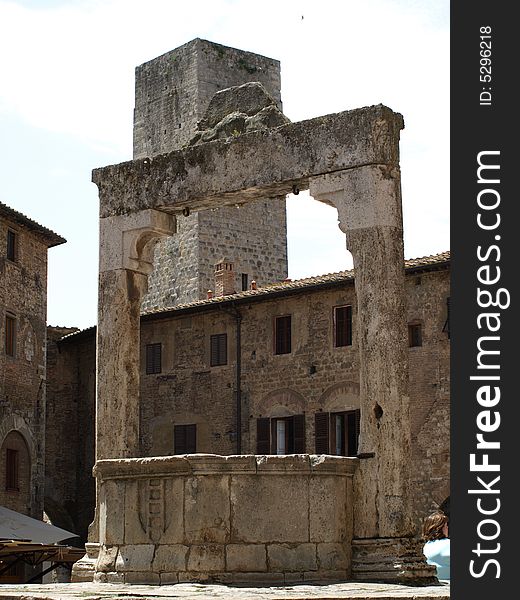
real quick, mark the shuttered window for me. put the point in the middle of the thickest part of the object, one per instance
(11, 469)
(218, 351)
(153, 358)
(282, 335)
(10, 335)
(337, 433)
(342, 326)
(284, 435)
(321, 432)
(446, 328)
(263, 436)
(245, 282)
(11, 245)
(185, 439)
(414, 335)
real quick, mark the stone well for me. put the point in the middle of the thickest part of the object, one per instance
(227, 519)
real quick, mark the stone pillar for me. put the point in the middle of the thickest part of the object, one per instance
(126, 245)
(125, 261)
(368, 200)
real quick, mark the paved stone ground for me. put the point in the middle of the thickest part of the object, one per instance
(188, 591)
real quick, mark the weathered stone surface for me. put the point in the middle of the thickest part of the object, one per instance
(328, 509)
(333, 557)
(115, 577)
(391, 560)
(225, 172)
(112, 527)
(168, 578)
(142, 578)
(280, 516)
(170, 558)
(246, 557)
(206, 505)
(292, 557)
(107, 558)
(238, 109)
(23, 371)
(172, 91)
(347, 591)
(135, 557)
(206, 558)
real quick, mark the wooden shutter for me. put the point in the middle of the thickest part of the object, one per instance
(263, 438)
(191, 439)
(179, 439)
(446, 328)
(218, 350)
(10, 329)
(352, 424)
(298, 431)
(153, 358)
(283, 335)
(11, 245)
(414, 335)
(342, 326)
(185, 439)
(321, 432)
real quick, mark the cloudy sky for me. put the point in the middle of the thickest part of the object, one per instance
(67, 95)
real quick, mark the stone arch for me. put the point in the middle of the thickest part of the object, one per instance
(17, 423)
(284, 402)
(340, 397)
(18, 497)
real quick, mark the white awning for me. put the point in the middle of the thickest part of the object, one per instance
(15, 526)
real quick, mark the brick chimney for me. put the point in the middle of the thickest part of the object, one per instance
(224, 278)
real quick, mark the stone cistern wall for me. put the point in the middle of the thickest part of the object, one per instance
(227, 519)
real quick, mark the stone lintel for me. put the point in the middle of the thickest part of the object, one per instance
(213, 464)
(254, 165)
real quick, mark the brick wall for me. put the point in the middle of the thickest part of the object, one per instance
(69, 494)
(23, 296)
(315, 376)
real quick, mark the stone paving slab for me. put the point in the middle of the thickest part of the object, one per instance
(188, 591)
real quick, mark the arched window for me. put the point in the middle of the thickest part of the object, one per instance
(15, 473)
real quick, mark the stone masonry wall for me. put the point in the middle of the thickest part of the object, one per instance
(189, 391)
(69, 493)
(173, 91)
(23, 295)
(276, 519)
(172, 94)
(430, 391)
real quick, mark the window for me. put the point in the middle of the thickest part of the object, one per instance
(414, 335)
(446, 328)
(185, 439)
(282, 335)
(337, 433)
(342, 326)
(218, 350)
(10, 335)
(11, 470)
(153, 358)
(245, 281)
(11, 245)
(280, 435)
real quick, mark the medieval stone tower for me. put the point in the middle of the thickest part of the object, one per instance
(172, 93)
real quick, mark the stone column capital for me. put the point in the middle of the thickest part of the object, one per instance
(364, 197)
(128, 241)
